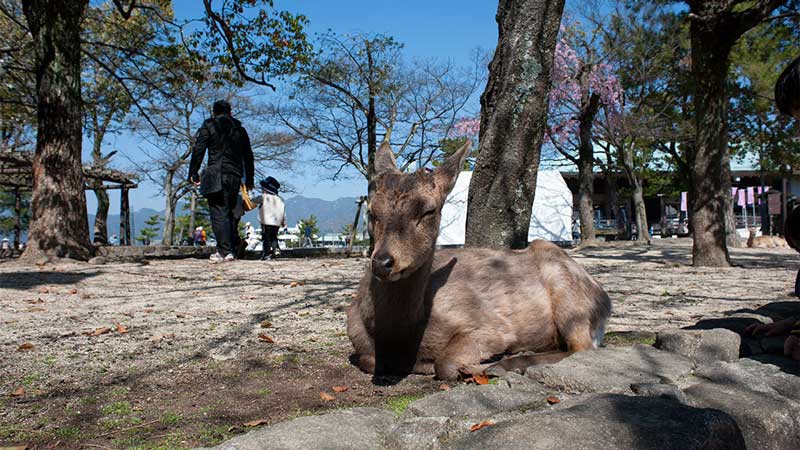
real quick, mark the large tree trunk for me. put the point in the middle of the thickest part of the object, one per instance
(710, 53)
(513, 116)
(59, 225)
(101, 217)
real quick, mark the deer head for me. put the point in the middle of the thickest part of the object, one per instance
(405, 211)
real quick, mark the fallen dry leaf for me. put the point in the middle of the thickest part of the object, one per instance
(160, 337)
(340, 388)
(121, 328)
(98, 332)
(553, 400)
(294, 284)
(129, 314)
(148, 310)
(481, 424)
(444, 387)
(256, 423)
(24, 347)
(265, 338)
(266, 324)
(43, 290)
(18, 392)
(180, 316)
(481, 379)
(73, 291)
(326, 397)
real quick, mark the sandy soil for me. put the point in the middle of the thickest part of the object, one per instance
(182, 363)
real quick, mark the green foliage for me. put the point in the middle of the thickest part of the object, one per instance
(308, 223)
(8, 215)
(251, 40)
(151, 230)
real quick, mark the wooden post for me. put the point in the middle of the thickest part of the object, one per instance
(17, 219)
(360, 202)
(125, 218)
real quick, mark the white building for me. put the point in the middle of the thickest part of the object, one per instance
(551, 218)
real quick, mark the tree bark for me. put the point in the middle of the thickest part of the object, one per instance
(192, 214)
(590, 104)
(731, 238)
(513, 118)
(639, 210)
(169, 211)
(715, 27)
(101, 217)
(59, 225)
(709, 69)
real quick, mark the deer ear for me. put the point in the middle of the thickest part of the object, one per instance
(447, 174)
(384, 160)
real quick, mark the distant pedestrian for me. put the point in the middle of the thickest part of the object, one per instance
(272, 215)
(230, 158)
(114, 240)
(199, 237)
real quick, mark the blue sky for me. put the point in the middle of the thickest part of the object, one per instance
(446, 29)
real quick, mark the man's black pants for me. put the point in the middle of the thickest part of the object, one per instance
(223, 221)
(269, 240)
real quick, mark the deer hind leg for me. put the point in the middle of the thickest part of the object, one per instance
(460, 352)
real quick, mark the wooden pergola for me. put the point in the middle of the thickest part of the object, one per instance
(16, 174)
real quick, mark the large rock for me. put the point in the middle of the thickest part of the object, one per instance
(608, 421)
(764, 401)
(355, 429)
(419, 433)
(701, 346)
(612, 369)
(478, 402)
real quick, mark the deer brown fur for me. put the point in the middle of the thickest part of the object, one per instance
(754, 241)
(418, 310)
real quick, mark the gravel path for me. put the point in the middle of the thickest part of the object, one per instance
(177, 317)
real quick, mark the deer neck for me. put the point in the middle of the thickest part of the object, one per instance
(405, 297)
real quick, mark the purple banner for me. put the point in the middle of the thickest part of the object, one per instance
(750, 196)
(742, 198)
(684, 202)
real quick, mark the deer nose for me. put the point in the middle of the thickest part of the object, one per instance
(382, 265)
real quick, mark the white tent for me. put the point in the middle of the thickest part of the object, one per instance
(551, 218)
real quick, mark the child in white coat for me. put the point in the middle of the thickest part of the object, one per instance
(272, 215)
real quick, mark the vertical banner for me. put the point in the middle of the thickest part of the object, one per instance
(750, 196)
(742, 198)
(758, 197)
(684, 201)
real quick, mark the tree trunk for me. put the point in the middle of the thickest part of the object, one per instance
(169, 211)
(643, 232)
(710, 51)
(17, 218)
(59, 225)
(513, 116)
(101, 217)
(731, 238)
(585, 200)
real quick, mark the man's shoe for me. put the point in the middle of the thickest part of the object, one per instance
(229, 257)
(216, 257)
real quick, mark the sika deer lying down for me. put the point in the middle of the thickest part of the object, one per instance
(417, 311)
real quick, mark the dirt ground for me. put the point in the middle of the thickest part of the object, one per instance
(194, 351)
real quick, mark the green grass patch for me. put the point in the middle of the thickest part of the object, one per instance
(31, 378)
(628, 338)
(119, 408)
(214, 435)
(68, 432)
(171, 418)
(398, 404)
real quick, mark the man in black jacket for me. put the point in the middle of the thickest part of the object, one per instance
(229, 159)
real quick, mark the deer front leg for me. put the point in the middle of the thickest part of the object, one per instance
(363, 343)
(461, 351)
